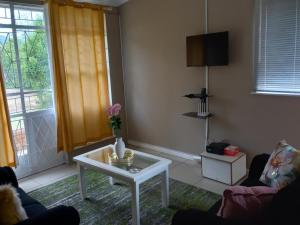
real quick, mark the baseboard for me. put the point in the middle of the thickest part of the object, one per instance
(169, 151)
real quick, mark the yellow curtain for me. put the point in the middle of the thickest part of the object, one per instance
(7, 155)
(81, 83)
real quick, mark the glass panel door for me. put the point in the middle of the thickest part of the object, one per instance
(25, 61)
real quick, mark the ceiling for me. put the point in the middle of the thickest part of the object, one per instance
(106, 2)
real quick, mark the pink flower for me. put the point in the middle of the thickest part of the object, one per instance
(114, 110)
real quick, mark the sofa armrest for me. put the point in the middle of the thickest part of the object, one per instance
(8, 176)
(198, 217)
(257, 166)
(60, 215)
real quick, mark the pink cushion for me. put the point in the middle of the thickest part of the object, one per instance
(245, 203)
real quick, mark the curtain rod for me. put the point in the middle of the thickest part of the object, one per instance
(107, 9)
(35, 2)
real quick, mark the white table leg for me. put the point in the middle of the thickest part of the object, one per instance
(81, 181)
(135, 204)
(111, 180)
(165, 188)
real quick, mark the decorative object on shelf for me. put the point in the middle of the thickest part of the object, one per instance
(231, 150)
(134, 170)
(126, 160)
(202, 108)
(115, 122)
(217, 147)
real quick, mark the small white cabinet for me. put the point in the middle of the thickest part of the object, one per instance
(222, 168)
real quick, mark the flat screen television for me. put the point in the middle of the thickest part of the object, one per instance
(207, 49)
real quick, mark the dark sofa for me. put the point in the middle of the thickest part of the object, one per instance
(283, 210)
(36, 212)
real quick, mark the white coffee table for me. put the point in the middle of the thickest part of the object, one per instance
(142, 168)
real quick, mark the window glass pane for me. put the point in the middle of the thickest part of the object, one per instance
(18, 129)
(38, 101)
(5, 17)
(32, 52)
(34, 59)
(14, 104)
(277, 46)
(9, 64)
(29, 16)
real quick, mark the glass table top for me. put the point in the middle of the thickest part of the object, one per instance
(132, 162)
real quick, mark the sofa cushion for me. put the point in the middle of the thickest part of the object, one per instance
(25, 198)
(198, 217)
(11, 210)
(34, 210)
(284, 208)
(248, 183)
(31, 206)
(246, 203)
(252, 182)
(7, 176)
(283, 166)
(59, 215)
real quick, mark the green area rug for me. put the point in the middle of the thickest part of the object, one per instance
(111, 205)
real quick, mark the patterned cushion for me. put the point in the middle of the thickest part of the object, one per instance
(283, 166)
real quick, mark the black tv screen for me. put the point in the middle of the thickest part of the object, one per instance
(207, 49)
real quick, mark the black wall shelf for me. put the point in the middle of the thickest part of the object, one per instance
(199, 96)
(195, 115)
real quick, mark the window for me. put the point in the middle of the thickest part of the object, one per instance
(25, 62)
(277, 47)
(24, 58)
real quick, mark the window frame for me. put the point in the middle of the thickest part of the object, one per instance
(254, 91)
(22, 118)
